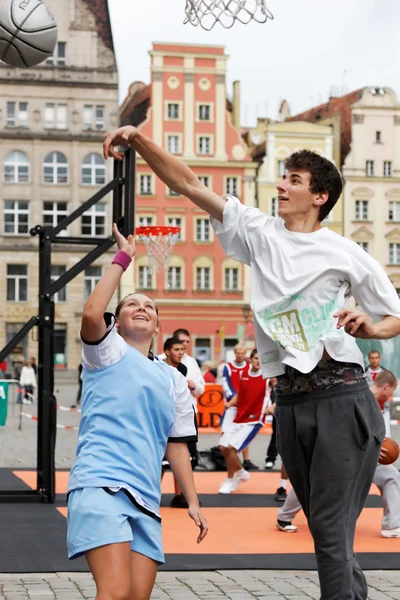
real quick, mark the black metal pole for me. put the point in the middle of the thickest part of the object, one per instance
(129, 195)
(46, 424)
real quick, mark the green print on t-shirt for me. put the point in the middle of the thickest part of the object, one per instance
(300, 328)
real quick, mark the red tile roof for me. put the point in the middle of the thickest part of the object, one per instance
(100, 10)
(336, 106)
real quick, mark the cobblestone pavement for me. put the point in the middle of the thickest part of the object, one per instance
(235, 585)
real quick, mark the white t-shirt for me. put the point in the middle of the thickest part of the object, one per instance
(298, 281)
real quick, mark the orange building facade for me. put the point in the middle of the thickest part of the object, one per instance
(185, 109)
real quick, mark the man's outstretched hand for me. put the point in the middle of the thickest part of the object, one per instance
(119, 137)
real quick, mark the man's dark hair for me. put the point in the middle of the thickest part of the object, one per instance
(325, 177)
(373, 352)
(182, 331)
(172, 341)
(253, 352)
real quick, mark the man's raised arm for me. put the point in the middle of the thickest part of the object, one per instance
(170, 169)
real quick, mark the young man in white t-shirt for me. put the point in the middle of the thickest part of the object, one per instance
(329, 425)
(374, 367)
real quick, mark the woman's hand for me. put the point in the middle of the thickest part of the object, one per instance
(356, 323)
(119, 137)
(200, 520)
(125, 244)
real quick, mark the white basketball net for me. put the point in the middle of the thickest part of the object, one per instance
(207, 13)
(159, 249)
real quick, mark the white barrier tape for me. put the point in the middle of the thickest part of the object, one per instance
(395, 422)
(33, 418)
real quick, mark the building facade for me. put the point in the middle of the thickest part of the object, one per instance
(371, 171)
(53, 118)
(185, 110)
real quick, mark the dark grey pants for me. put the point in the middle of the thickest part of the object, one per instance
(329, 442)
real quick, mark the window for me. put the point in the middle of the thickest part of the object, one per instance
(202, 349)
(17, 114)
(145, 278)
(378, 137)
(175, 278)
(16, 167)
(176, 222)
(203, 278)
(387, 168)
(94, 220)
(93, 170)
(232, 186)
(204, 112)
(205, 180)
(231, 279)
(394, 211)
(274, 207)
(56, 272)
(173, 144)
(92, 277)
(204, 144)
(146, 221)
(16, 217)
(55, 116)
(54, 213)
(281, 168)
(17, 283)
(146, 185)
(93, 117)
(369, 168)
(58, 58)
(203, 232)
(173, 111)
(394, 254)
(173, 193)
(361, 210)
(55, 168)
(363, 245)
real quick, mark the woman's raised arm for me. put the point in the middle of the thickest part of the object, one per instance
(93, 325)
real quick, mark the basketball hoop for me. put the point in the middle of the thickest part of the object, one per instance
(207, 13)
(159, 243)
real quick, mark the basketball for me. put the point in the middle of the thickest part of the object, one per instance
(393, 451)
(28, 32)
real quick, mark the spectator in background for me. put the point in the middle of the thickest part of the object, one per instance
(17, 368)
(174, 351)
(194, 377)
(33, 363)
(374, 366)
(28, 382)
(209, 372)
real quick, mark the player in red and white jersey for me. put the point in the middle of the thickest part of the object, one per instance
(374, 366)
(231, 374)
(250, 402)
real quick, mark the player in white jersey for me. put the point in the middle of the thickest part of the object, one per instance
(386, 477)
(302, 277)
(135, 409)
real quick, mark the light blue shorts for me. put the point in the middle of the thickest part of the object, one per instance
(97, 518)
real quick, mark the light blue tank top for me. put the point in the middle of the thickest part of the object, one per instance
(127, 412)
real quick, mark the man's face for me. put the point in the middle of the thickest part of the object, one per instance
(185, 341)
(375, 360)
(384, 393)
(240, 355)
(294, 195)
(176, 353)
(255, 362)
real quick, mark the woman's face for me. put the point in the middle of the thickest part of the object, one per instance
(138, 315)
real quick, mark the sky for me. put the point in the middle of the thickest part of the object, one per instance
(311, 48)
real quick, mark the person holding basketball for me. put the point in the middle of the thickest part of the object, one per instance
(330, 428)
(135, 409)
